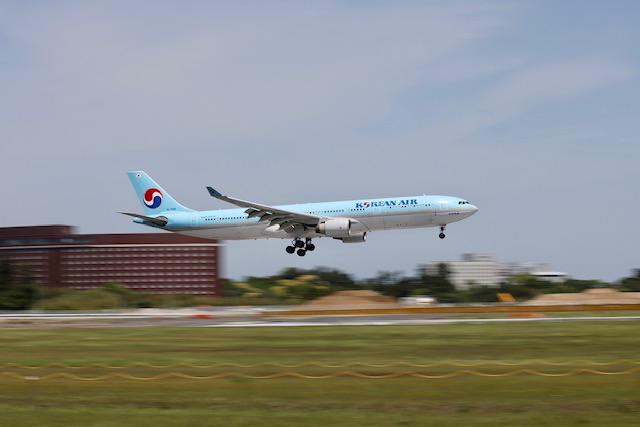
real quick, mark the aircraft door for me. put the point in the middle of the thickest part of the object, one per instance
(442, 207)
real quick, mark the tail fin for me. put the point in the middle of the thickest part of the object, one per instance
(153, 198)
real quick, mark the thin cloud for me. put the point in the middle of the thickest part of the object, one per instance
(539, 84)
(308, 101)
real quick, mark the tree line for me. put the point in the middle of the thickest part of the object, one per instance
(314, 283)
(18, 289)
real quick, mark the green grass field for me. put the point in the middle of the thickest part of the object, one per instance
(525, 400)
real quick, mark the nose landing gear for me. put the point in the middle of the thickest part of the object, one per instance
(302, 247)
(441, 235)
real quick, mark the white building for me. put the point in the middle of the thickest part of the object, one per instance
(484, 270)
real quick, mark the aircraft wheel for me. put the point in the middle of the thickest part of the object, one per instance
(441, 235)
(311, 247)
(299, 244)
(290, 249)
(302, 252)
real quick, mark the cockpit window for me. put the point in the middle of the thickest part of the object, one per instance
(463, 202)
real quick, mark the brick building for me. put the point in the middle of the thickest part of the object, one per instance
(159, 263)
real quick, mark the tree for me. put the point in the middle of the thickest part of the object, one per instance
(631, 283)
(333, 277)
(17, 290)
(290, 273)
(121, 292)
(443, 270)
(480, 293)
(575, 286)
(438, 285)
(404, 288)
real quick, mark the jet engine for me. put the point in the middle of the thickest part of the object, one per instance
(358, 238)
(335, 227)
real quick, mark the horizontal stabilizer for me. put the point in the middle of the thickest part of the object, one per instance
(159, 221)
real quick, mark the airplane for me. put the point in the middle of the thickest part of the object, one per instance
(349, 221)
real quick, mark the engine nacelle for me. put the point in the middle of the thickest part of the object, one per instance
(358, 238)
(335, 227)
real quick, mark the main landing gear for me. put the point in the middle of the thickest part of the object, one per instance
(441, 235)
(301, 246)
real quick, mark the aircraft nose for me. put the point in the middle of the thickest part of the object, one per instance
(472, 209)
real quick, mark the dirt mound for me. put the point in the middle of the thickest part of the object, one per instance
(590, 296)
(353, 298)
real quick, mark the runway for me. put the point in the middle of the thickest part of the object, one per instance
(389, 321)
(250, 318)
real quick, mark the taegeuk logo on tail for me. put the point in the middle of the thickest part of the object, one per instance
(153, 198)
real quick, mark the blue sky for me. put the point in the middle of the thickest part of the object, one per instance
(529, 109)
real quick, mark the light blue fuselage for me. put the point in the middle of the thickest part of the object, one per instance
(371, 215)
(348, 221)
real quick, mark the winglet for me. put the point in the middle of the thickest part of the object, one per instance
(213, 192)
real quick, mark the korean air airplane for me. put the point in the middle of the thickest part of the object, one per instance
(349, 221)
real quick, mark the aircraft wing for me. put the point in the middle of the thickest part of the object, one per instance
(287, 220)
